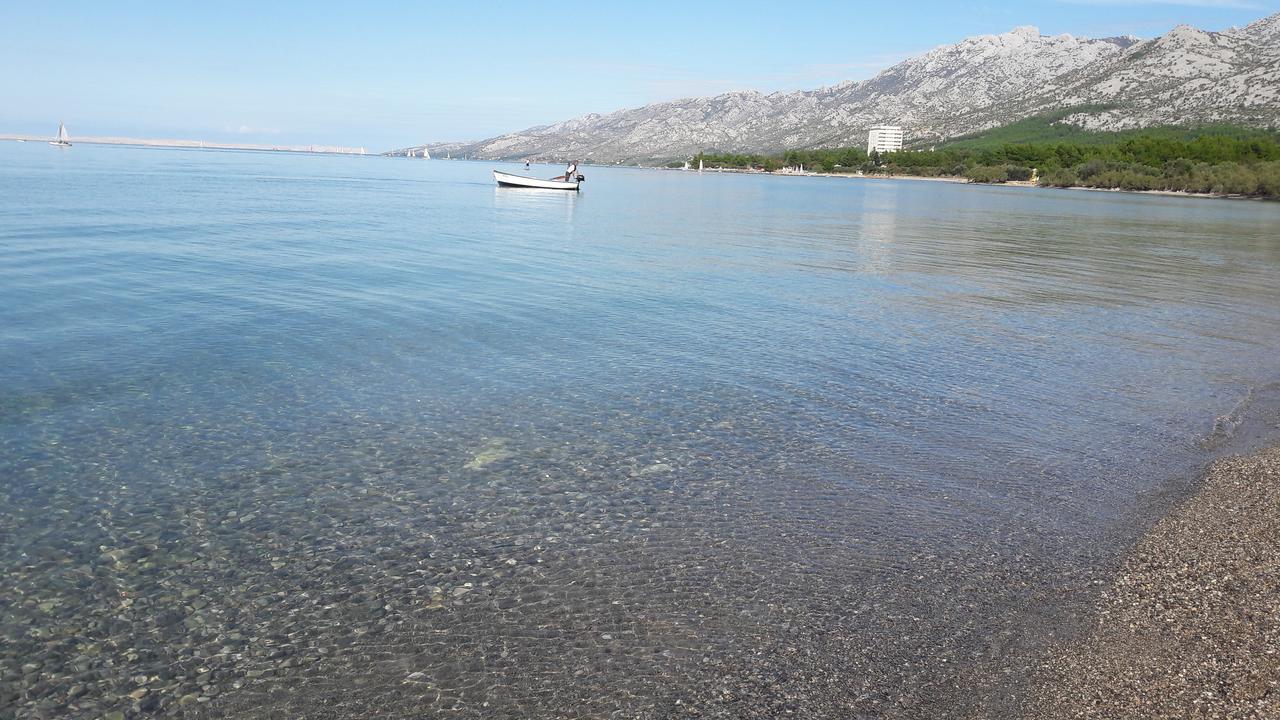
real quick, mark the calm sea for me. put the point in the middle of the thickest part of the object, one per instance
(311, 436)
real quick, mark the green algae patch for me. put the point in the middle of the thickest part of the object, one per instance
(489, 453)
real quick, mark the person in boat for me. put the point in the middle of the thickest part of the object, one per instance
(568, 173)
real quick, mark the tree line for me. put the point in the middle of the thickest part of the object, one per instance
(1212, 160)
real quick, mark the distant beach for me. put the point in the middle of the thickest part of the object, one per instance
(966, 181)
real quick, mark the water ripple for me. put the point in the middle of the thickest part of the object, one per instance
(286, 436)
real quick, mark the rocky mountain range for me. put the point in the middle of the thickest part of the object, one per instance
(1186, 76)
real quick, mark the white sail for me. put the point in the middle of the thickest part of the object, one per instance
(63, 141)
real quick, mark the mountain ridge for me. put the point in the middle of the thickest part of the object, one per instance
(1184, 76)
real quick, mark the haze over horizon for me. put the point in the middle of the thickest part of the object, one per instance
(397, 75)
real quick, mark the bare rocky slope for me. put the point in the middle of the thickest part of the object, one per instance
(1186, 76)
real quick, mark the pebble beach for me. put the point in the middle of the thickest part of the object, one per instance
(1191, 625)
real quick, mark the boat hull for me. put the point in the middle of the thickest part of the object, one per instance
(509, 180)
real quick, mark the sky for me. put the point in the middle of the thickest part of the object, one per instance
(383, 75)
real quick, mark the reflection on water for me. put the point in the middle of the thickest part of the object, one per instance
(534, 203)
(336, 436)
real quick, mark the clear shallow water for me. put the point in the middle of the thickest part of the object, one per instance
(320, 436)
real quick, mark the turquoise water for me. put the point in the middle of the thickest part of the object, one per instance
(327, 436)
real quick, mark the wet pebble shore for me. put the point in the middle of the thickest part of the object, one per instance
(1191, 625)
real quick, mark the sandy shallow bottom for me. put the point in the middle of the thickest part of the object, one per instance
(1191, 625)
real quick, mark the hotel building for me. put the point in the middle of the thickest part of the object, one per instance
(884, 138)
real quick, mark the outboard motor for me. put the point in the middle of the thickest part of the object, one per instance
(582, 178)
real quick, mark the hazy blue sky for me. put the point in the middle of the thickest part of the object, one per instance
(383, 75)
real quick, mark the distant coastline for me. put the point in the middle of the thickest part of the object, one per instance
(1033, 184)
(195, 144)
(1208, 161)
(781, 172)
(966, 181)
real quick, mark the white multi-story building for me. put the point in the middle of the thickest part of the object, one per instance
(884, 138)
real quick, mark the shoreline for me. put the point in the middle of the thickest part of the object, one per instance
(965, 181)
(194, 144)
(1190, 623)
(331, 150)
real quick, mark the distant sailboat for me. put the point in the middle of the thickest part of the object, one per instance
(63, 140)
(426, 154)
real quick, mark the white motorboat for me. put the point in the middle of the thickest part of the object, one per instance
(63, 140)
(570, 180)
